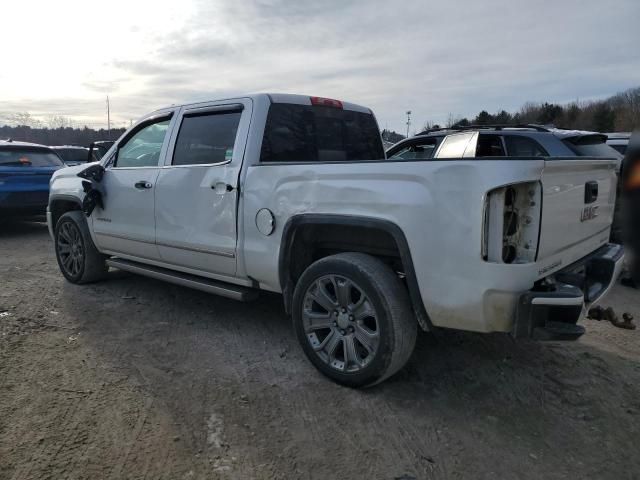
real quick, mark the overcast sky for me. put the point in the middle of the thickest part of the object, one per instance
(434, 58)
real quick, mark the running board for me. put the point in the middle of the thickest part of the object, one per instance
(228, 290)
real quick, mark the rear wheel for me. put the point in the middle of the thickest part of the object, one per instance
(353, 318)
(78, 258)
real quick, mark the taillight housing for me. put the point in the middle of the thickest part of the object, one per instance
(511, 226)
(326, 102)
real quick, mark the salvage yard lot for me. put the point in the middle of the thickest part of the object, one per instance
(134, 378)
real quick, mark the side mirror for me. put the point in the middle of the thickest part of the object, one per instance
(93, 173)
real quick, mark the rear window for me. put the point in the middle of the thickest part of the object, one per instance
(19, 157)
(591, 146)
(305, 133)
(73, 154)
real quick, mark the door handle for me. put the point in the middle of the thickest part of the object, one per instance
(143, 184)
(221, 187)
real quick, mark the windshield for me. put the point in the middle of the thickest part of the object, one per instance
(99, 149)
(72, 154)
(25, 157)
(422, 149)
(305, 133)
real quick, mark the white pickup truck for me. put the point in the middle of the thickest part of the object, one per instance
(294, 194)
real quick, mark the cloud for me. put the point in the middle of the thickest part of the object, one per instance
(433, 58)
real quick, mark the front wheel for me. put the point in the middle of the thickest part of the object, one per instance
(353, 318)
(78, 258)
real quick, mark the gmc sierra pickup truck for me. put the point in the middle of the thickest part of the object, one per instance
(294, 194)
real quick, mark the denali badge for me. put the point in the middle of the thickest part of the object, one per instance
(589, 213)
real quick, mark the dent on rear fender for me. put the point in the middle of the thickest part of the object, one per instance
(437, 205)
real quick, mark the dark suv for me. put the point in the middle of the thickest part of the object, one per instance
(25, 171)
(509, 141)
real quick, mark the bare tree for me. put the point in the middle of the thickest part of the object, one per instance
(24, 119)
(59, 121)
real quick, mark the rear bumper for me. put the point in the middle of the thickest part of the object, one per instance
(23, 203)
(551, 310)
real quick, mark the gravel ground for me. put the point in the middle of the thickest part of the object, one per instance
(134, 378)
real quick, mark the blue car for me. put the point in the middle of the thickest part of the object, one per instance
(25, 171)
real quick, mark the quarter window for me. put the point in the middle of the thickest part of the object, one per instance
(206, 138)
(143, 148)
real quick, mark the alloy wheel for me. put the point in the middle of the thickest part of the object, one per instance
(340, 323)
(70, 248)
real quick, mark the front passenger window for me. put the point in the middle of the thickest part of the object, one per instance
(143, 148)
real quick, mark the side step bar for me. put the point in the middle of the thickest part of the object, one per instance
(228, 290)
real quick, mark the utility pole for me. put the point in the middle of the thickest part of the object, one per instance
(408, 121)
(108, 120)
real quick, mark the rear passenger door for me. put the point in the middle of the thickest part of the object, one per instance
(197, 189)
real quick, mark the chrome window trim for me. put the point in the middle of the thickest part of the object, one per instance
(197, 165)
(197, 250)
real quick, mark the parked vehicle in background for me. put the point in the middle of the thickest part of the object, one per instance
(25, 171)
(98, 149)
(619, 141)
(509, 140)
(71, 154)
(294, 194)
(517, 141)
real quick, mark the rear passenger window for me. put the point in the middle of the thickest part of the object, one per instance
(455, 145)
(489, 146)
(518, 146)
(206, 138)
(306, 133)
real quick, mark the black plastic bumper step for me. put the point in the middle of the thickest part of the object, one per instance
(558, 331)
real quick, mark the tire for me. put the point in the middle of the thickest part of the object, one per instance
(77, 256)
(370, 330)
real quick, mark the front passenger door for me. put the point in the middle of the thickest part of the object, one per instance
(126, 224)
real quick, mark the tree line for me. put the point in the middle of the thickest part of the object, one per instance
(58, 136)
(619, 113)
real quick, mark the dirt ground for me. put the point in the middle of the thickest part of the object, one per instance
(134, 378)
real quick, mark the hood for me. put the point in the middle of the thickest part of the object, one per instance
(72, 171)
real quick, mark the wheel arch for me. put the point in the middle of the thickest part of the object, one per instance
(294, 258)
(59, 204)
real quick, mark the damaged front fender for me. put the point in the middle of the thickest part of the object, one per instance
(92, 188)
